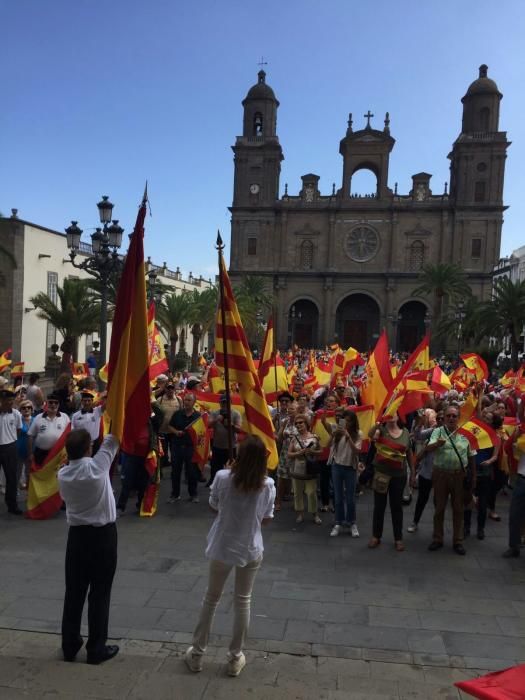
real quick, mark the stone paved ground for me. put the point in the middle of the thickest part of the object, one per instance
(330, 617)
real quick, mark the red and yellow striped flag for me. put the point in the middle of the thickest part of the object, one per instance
(4, 360)
(230, 341)
(215, 379)
(377, 380)
(128, 402)
(319, 430)
(17, 369)
(79, 369)
(440, 381)
(200, 437)
(418, 360)
(479, 434)
(43, 496)
(266, 363)
(157, 356)
(477, 365)
(275, 381)
(150, 500)
(365, 418)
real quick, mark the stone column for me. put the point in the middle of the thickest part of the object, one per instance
(330, 251)
(327, 322)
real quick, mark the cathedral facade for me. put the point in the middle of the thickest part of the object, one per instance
(343, 265)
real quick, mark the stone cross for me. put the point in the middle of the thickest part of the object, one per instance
(368, 117)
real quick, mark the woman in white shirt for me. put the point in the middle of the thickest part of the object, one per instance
(243, 498)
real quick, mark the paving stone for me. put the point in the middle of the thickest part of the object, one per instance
(304, 631)
(35, 608)
(393, 617)
(136, 617)
(303, 591)
(338, 651)
(491, 664)
(458, 622)
(422, 691)
(168, 687)
(389, 656)
(445, 676)
(280, 607)
(363, 636)
(513, 626)
(463, 604)
(347, 667)
(484, 645)
(425, 641)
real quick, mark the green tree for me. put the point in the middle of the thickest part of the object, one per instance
(443, 282)
(77, 313)
(203, 310)
(254, 303)
(173, 313)
(504, 315)
(449, 324)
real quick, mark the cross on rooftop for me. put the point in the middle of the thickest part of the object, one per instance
(368, 116)
(262, 62)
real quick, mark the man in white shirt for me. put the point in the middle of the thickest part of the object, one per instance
(10, 427)
(46, 428)
(88, 418)
(91, 554)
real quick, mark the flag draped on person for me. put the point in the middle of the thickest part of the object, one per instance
(231, 346)
(128, 400)
(43, 496)
(157, 356)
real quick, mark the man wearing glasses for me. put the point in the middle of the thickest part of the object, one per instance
(46, 429)
(452, 456)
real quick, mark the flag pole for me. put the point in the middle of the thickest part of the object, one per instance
(220, 248)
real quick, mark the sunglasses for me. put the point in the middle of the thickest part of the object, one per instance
(26, 408)
(52, 403)
(451, 415)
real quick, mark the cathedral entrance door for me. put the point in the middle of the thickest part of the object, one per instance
(411, 325)
(304, 335)
(303, 322)
(354, 334)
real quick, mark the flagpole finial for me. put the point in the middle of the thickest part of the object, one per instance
(219, 245)
(145, 195)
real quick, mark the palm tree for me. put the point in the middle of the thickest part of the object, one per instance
(442, 281)
(203, 310)
(254, 301)
(173, 313)
(504, 315)
(468, 310)
(77, 313)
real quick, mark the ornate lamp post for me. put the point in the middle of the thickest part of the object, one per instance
(154, 293)
(102, 262)
(293, 317)
(394, 319)
(459, 317)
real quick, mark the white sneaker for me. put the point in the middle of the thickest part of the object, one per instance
(336, 530)
(412, 528)
(354, 531)
(193, 660)
(173, 499)
(236, 664)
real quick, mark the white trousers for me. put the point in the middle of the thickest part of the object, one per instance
(244, 580)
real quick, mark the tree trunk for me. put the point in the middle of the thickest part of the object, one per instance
(514, 351)
(173, 349)
(68, 350)
(196, 331)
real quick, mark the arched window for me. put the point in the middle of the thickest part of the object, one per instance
(307, 255)
(416, 256)
(484, 119)
(363, 183)
(258, 124)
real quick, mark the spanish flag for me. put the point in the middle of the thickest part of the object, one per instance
(275, 381)
(148, 505)
(468, 408)
(440, 381)
(128, 401)
(479, 434)
(17, 369)
(215, 379)
(377, 380)
(157, 356)
(365, 418)
(418, 360)
(79, 369)
(389, 453)
(477, 365)
(4, 360)
(200, 437)
(352, 357)
(231, 345)
(43, 496)
(319, 430)
(323, 371)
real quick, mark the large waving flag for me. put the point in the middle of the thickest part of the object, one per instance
(128, 401)
(319, 430)
(4, 360)
(157, 356)
(323, 371)
(419, 360)
(479, 434)
(268, 352)
(231, 348)
(377, 382)
(43, 496)
(507, 684)
(17, 369)
(477, 365)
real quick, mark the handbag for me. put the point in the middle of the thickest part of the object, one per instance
(305, 467)
(381, 482)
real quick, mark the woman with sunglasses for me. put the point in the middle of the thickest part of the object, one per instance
(24, 455)
(303, 445)
(46, 428)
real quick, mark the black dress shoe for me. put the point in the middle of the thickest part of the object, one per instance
(434, 545)
(109, 652)
(481, 535)
(460, 549)
(70, 655)
(511, 553)
(15, 511)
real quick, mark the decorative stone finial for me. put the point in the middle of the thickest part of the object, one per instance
(350, 122)
(333, 189)
(387, 121)
(483, 70)
(395, 188)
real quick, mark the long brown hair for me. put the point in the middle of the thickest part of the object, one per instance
(249, 469)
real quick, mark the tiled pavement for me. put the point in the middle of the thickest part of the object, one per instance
(329, 616)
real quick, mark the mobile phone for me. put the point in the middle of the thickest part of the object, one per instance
(341, 423)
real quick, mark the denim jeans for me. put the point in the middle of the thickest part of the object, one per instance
(343, 479)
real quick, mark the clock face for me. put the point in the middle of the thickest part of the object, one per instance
(361, 244)
(254, 189)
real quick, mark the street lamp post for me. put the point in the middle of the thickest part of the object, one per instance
(103, 261)
(394, 319)
(293, 317)
(459, 317)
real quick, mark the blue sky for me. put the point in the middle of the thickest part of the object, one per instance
(99, 96)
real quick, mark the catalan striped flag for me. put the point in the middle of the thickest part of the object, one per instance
(479, 434)
(157, 356)
(128, 401)
(377, 379)
(477, 365)
(43, 496)
(4, 360)
(232, 346)
(266, 362)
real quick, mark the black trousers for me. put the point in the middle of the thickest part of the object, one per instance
(181, 458)
(497, 483)
(91, 561)
(395, 495)
(219, 457)
(483, 488)
(133, 475)
(325, 476)
(424, 487)
(9, 463)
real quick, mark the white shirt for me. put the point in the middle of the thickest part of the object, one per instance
(235, 536)
(88, 421)
(341, 452)
(86, 488)
(45, 430)
(9, 423)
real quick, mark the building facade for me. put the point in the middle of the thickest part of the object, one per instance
(36, 259)
(343, 265)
